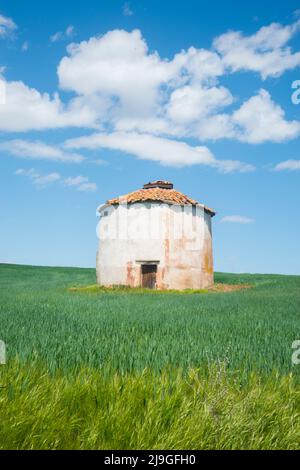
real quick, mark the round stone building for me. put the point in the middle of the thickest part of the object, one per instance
(155, 237)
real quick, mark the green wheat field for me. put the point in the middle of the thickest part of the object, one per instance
(116, 369)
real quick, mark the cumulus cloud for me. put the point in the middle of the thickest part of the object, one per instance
(288, 165)
(27, 109)
(237, 219)
(261, 120)
(195, 112)
(214, 127)
(199, 65)
(167, 152)
(118, 65)
(191, 103)
(173, 98)
(37, 150)
(7, 26)
(264, 52)
(142, 104)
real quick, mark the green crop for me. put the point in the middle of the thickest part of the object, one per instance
(91, 368)
(248, 330)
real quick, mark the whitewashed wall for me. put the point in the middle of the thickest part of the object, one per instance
(178, 237)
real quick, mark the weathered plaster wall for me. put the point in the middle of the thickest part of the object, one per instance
(207, 254)
(177, 237)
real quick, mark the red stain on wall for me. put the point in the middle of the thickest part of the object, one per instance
(130, 280)
(161, 285)
(208, 264)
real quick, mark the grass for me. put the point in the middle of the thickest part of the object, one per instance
(90, 370)
(94, 410)
(249, 330)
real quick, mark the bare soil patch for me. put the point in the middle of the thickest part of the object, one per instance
(229, 287)
(216, 288)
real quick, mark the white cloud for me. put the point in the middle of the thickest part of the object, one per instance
(194, 111)
(147, 101)
(146, 147)
(234, 166)
(199, 65)
(87, 187)
(62, 35)
(25, 46)
(37, 150)
(70, 31)
(288, 165)
(258, 120)
(41, 181)
(26, 109)
(7, 26)
(75, 180)
(56, 37)
(164, 151)
(237, 219)
(117, 65)
(81, 183)
(120, 61)
(214, 127)
(191, 103)
(261, 120)
(152, 125)
(127, 11)
(264, 52)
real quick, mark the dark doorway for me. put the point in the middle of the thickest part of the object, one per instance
(149, 276)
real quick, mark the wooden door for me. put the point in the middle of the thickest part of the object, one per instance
(149, 276)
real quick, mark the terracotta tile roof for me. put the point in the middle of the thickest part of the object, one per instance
(154, 194)
(168, 196)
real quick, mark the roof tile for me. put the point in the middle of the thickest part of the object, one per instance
(168, 196)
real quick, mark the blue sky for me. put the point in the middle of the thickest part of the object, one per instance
(100, 97)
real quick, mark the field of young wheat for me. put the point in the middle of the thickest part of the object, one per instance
(112, 369)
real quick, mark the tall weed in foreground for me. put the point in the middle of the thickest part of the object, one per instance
(94, 409)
